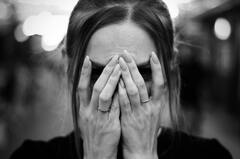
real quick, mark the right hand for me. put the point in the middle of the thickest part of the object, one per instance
(100, 130)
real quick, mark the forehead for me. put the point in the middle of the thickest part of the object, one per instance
(114, 39)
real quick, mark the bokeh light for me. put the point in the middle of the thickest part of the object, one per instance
(51, 27)
(173, 6)
(30, 26)
(222, 28)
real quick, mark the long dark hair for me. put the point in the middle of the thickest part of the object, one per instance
(151, 15)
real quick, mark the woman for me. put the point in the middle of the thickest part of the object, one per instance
(124, 80)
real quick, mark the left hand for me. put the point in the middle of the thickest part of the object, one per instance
(140, 119)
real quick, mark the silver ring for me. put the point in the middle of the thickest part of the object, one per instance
(103, 110)
(146, 100)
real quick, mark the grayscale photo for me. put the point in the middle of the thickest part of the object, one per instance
(119, 79)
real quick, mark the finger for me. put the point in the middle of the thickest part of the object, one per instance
(124, 102)
(84, 82)
(105, 97)
(114, 112)
(101, 81)
(136, 76)
(131, 88)
(157, 76)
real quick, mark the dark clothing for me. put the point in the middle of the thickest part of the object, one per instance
(171, 145)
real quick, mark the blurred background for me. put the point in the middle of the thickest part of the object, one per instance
(33, 95)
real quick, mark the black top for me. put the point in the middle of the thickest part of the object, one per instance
(171, 145)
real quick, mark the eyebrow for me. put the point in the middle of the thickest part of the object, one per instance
(96, 64)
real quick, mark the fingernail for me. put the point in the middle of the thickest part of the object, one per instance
(127, 56)
(115, 58)
(113, 61)
(122, 64)
(155, 58)
(86, 62)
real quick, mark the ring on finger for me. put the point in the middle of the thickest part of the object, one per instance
(103, 109)
(146, 101)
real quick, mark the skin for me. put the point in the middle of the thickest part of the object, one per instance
(114, 39)
(120, 89)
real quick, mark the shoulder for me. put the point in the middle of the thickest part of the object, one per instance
(172, 144)
(59, 147)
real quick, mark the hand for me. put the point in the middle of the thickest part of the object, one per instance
(140, 117)
(99, 116)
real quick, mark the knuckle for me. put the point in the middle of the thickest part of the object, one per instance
(96, 88)
(158, 67)
(133, 92)
(141, 85)
(148, 112)
(122, 95)
(111, 81)
(141, 118)
(127, 105)
(85, 72)
(158, 83)
(81, 88)
(101, 123)
(86, 117)
(103, 98)
(133, 67)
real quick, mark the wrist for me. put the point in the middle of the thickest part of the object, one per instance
(99, 155)
(92, 151)
(141, 156)
(128, 155)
